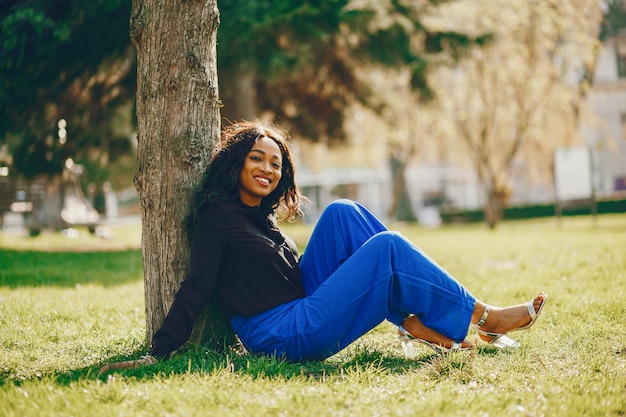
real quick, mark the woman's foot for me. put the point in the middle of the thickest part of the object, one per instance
(496, 321)
(416, 330)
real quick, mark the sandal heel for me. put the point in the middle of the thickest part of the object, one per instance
(408, 344)
(407, 347)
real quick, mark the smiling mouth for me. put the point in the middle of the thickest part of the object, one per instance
(262, 180)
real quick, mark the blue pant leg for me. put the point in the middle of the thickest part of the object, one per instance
(343, 227)
(387, 275)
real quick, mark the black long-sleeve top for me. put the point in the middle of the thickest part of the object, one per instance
(242, 255)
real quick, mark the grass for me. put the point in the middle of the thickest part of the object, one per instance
(65, 310)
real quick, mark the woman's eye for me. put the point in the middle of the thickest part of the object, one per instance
(255, 158)
(276, 166)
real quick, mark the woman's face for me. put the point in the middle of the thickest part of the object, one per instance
(261, 171)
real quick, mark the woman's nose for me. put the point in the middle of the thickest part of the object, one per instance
(266, 167)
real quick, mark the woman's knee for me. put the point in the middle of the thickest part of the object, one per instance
(391, 238)
(387, 237)
(340, 206)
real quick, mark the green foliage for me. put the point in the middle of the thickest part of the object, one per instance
(572, 362)
(305, 57)
(614, 19)
(277, 36)
(71, 60)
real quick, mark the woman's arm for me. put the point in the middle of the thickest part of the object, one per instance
(195, 291)
(143, 361)
(207, 247)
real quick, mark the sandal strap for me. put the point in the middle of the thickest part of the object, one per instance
(483, 318)
(531, 310)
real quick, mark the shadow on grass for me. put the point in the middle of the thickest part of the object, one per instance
(197, 360)
(66, 269)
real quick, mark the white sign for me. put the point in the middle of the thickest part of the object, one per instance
(572, 173)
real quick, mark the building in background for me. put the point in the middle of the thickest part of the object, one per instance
(603, 120)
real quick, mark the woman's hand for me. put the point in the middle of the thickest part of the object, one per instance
(143, 361)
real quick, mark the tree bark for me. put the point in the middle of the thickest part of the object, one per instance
(178, 122)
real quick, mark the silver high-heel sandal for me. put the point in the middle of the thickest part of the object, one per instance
(408, 347)
(501, 340)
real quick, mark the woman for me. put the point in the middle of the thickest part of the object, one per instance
(353, 274)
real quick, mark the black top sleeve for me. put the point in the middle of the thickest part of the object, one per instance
(207, 247)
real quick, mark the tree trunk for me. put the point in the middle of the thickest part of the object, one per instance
(178, 122)
(492, 211)
(400, 207)
(497, 199)
(238, 94)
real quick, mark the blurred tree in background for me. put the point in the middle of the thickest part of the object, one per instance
(614, 19)
(69, 60)
(304, 64)
(298, 62)
(301, 64)
(515, 101)
(295, 62)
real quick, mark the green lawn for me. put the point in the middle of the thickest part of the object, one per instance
(69, 306)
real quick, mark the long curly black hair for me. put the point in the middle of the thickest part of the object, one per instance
(221, 179)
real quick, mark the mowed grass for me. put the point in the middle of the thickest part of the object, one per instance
(66, 310)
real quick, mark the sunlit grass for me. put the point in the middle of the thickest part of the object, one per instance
(64, 313)
(116, 237)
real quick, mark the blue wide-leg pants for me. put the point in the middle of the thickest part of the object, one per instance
(356, 274)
